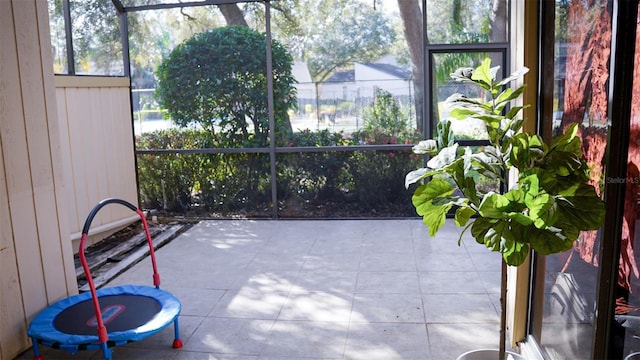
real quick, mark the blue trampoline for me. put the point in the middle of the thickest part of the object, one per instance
(109, 317)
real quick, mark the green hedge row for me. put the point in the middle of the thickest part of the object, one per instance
(309, 184)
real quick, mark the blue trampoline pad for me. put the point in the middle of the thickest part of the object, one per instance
(129, 313)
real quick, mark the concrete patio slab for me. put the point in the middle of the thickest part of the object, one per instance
(320, 289)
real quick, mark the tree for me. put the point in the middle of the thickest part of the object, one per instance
(452, 21)
(96, 37)
(327, 34)
(232, 14)
(358, 34)
(586, 95)
(217, 80)
(153, 34)
(412, 19)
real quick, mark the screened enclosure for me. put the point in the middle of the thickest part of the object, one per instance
(291, 108)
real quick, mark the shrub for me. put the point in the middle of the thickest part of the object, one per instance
(217, 80)
(333, 183)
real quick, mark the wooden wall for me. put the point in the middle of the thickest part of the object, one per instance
(36, 259)
(96, 130)
(65, 144)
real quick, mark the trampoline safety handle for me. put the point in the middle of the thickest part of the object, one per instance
(102, 331)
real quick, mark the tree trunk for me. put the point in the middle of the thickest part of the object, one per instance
(411, 15)
(498, 21)
(498, 25)
(587, 69)
(585, 91)
(233, 15)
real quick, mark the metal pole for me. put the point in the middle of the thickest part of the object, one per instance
(426, 86)
(270, 108)
(124, 39)
(66, 10)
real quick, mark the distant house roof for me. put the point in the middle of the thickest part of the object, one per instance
(389, 69)
(392, 70)
(342, 76)
(300, 72)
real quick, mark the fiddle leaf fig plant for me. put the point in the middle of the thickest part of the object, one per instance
(547, 199)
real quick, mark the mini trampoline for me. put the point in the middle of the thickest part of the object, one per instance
(108, 317)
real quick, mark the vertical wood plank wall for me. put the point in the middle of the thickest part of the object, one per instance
(65, 144)
(94, 114)
(36, 259)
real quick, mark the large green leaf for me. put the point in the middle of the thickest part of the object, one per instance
(514, 76)
(480, 227)
(505, 97)
(431, 190)
(517, 254)
(462, 215)
(543, 210)
(461, 114)
(433, 215)
(584, 209)
(531, 185)
(564, 163)
(569, 141)
(548, 241)
(526, 150)
(483, 75)
(445, 157)
(493, 206)
(517, 206)
(567, 229)
(499, 237)
(445, 135)
(415, 176)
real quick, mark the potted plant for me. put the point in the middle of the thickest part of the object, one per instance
(546, 198)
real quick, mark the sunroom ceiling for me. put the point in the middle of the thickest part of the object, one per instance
(137, 5)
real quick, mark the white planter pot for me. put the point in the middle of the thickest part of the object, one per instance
(489, 354)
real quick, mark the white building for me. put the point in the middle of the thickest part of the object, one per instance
(364, 79)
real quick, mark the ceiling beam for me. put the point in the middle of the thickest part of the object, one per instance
(119, 5)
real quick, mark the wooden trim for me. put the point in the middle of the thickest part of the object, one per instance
(109, 227)
(66, 81)
(524, 25)
(60, 220)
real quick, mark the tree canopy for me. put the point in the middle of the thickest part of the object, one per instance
(328, 34)
(217, 80)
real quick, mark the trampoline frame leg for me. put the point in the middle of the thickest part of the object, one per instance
(36, 349)
(106, 351)
(177, 343)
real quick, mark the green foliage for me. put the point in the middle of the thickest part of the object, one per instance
(310, 184)
(168, 181)
(331, 34)
(96, 37)
(217, 80)
(385, 122)
(385, 114)
(185, 182)
(364, 36)
(546, 207)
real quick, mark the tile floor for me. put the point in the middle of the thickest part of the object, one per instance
(339, 289)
